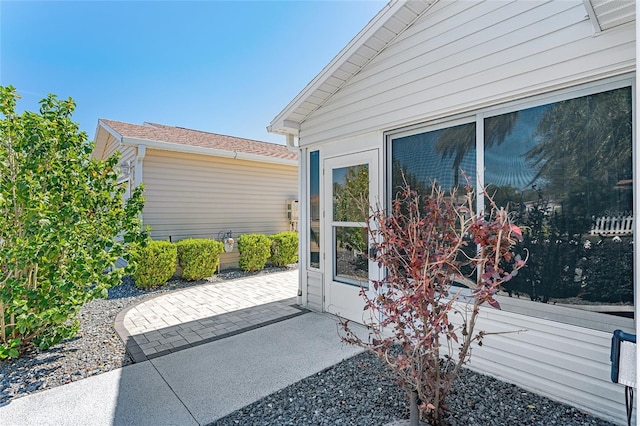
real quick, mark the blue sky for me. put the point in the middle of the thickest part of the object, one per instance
(222, 67)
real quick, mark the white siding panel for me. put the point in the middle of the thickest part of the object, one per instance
(314, 291)
(127, 153)
(110, 148)
(459, 64)
(197, 196)
(468, 55)
(454, 48)
(564, 362)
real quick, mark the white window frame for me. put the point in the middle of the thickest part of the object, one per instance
(573, 316)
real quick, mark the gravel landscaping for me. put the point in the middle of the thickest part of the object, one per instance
(96, 349)
(356, 391)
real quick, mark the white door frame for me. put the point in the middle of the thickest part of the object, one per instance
(341, 293)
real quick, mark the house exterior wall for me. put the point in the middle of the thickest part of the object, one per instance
(199, 196)
(462, 56)
(458, 58)
(127, 153)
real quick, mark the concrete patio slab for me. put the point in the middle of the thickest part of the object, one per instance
(136, 395)
(215, 379)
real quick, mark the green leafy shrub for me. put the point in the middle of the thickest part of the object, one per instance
(155, 263)
(199, 257)
(255, 250)
(63, 221)
(284, 248)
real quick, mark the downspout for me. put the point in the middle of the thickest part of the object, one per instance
(141, 152)
(291, 145)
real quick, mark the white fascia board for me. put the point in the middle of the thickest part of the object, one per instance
(190, 149)
(287, 127)
(278, 125)
(115, 134)
(592, 16)
(101, 142)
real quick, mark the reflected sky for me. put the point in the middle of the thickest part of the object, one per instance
(505, 163)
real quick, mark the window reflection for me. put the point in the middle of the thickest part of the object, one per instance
(351, 193)
(444, 156)
(351, 262)
(564, 171)
(314, 209)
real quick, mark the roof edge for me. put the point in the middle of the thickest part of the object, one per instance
(190, 149)
(279, 123)
(109, 129)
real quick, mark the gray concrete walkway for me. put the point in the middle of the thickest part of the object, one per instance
(194, 385)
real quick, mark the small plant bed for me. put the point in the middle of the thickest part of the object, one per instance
(358, 391)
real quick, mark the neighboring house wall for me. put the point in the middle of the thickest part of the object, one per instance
(126, 162)
(466, 55)
(458, 59)
(199, 196)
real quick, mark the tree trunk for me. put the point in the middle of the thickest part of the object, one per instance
(414, 413)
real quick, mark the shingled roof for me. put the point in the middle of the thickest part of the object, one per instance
(182, 138)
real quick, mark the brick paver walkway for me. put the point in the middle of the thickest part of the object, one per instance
(184, 318)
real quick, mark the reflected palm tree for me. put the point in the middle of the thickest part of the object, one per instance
(458, 141)
(585, 149)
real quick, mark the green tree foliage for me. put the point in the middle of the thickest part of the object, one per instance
(351, 204)
(63, 223)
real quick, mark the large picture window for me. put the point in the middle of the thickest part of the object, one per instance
(564, 172)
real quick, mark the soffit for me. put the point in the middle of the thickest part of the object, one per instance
(607, 14)
(383, 29)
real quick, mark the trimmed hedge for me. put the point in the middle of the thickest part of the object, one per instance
(255, 250)
(199, 257)
(284, 248)
(154, 264)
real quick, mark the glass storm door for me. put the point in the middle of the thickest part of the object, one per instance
(352, 187)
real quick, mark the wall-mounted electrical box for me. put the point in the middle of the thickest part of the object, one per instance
(623, 358)
(292, 210)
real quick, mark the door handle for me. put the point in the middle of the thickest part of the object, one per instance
(373, 252)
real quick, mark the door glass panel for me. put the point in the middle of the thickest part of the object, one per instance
(351, 193)
(351, 262)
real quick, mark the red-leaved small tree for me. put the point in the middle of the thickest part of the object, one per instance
(420, 327)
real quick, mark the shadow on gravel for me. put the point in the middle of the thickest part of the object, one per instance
(26, 374)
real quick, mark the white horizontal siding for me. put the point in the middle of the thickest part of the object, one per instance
(459, 57)
(194, 196)
(126, 152)
(564, 362)
(462, 56)
(314, 291)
